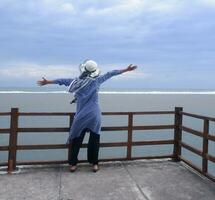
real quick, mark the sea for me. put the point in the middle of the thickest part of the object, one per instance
(57, 99)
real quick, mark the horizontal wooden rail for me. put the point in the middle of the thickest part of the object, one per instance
(211, 158)
(103, 113)
(198, 116)
(154, 142)
(190, 148)
(5, 113)
(119, 128)
(192, 131)
(4, 130)
(4, 148)
(211, 137)
(66, 129)
(153, 127)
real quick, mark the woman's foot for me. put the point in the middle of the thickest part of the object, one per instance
(72, 168)
(95, 168)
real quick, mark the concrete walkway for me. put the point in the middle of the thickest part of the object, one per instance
(135, 180)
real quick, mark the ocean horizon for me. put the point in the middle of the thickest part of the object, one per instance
(108, 90)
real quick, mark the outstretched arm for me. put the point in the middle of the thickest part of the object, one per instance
(101, 79)
(129, 68)
(62, 81)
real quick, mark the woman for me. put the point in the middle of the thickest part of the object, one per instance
(88, 114)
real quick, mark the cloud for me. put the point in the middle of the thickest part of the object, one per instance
(32, 70)
(67, 7)
(208, 2)
(28, 71)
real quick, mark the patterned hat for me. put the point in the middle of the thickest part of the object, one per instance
(91, 67)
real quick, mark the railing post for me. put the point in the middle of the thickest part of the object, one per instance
(13, 139)
(177, 134)
(129, 142)
(205, 146)
(70, 145)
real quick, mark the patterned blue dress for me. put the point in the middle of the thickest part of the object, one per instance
(88, 113)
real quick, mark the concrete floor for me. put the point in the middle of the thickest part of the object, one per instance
(135, 180)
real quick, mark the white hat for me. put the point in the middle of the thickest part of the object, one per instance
(90, 66)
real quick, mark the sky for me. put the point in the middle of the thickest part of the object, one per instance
(171, 41)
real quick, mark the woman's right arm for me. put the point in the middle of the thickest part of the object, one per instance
(61, 81)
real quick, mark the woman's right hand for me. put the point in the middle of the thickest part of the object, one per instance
(42, 82)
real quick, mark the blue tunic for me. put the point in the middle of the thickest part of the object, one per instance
(88, 113)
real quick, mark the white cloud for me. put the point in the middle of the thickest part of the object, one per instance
(67, 7)
(131, 8)
(208, 2)
(28, 71)
(36, 71)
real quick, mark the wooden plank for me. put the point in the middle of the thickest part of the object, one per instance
(211, 137)
(4, 130)
(117, 128)
(44, 114)
(199, 116)
(129, 145)
(4, 113)
(112, 144)
(4, 148)
(153, 127)
(60, 129)
(154, 113)
(42, 146)
(192, 131)
(177, 134)
(103, 113)
(115, 113)
(205, 146)
(153, 142)
(66, 129)
(13, 139)
(190, 148)
(140, 113)
(211, 158)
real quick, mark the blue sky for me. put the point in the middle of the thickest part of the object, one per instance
(172, 41)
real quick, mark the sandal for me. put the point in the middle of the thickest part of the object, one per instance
(95, 168)
(73, 168)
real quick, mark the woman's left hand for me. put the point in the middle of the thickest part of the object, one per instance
(131, 67)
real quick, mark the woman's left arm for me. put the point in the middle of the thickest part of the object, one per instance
(101, 79)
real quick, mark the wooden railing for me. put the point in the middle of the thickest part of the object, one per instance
(203, 153)
(177, 143)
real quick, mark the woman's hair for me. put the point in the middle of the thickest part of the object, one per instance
(84, 75)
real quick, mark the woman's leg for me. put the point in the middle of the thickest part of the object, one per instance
(93, 148)
(75, 147)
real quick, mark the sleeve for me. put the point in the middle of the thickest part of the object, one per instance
(63, 81)
(101, 79)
